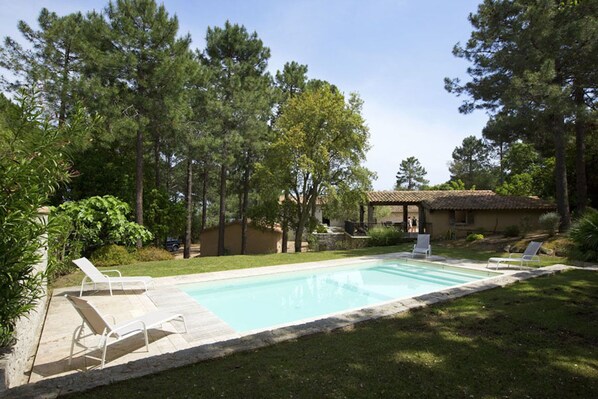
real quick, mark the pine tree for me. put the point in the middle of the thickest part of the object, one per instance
(411, 175)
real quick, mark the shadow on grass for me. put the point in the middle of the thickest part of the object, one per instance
(532, 339)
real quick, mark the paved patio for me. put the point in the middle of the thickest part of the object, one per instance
(207, 335)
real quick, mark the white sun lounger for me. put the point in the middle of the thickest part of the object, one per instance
(99, 326)
(422, 247)
(96, 277)
(529, 255)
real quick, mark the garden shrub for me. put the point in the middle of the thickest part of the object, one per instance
(32, 166)
(474, 237)
(82, 226)
(61, 249)
(321, 229)
(550, 222)
(511, 231)
(148, 254)
(384, 236)
(99, 221)
(584, 236)
(112, 255)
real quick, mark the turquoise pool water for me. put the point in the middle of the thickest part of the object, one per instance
(262, 302)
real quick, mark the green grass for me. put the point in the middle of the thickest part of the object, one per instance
(215, 263)
(537, 338)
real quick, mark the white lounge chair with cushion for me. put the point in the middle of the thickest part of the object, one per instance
(99, 326)
(96, 277)
(529, 255)
(422, 247)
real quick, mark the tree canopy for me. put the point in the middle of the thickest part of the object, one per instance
(533, 68)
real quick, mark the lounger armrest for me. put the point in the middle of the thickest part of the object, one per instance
(515, 256)
(122, 327)
(112, 271)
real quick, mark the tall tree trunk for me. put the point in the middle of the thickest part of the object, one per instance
(157, 160)
(222, 212)
(304, 212)
(187, 251)
(63, 90)
(244, 205)
(302, 220)
(204, 204)
(560, 171)
(285, 222)
(581, 182)
(139, 182)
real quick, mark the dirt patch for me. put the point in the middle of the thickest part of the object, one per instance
(556, 245)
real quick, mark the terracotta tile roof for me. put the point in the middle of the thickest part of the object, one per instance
(458, 199)
(380, 197)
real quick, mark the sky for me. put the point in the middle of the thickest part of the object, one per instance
(394, 53)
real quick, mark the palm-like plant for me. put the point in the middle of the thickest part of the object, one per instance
(584, 235)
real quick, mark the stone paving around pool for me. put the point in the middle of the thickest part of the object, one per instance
(207, 336)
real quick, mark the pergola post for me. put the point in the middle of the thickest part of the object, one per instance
(370, 214)
(405, 211)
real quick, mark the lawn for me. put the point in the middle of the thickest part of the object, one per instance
(214, 263)
(537, 338)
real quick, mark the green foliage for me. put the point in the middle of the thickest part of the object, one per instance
(384, 236)
(533, 69)
(312, 162)
(512, 231)
(312, 242)
(516, 185)
(472, 164)
(550, 222)
(32, 166)
(381, 212)
(450, 185)
(162, 216)
(411, 175)
(474, 237)
(149, 254)
(62, 249)
(112, 255)
(100, 221)
(584, 235)
(321, 229)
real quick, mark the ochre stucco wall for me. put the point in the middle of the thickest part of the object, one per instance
(258, 241)
(484, 221)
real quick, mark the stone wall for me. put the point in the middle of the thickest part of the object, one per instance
(15, 364)
(332, 241)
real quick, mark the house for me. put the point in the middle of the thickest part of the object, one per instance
(260, 240)
(457, 213)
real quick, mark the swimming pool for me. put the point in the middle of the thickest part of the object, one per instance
(269, 301)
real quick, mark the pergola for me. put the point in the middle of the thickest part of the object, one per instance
(421, 199)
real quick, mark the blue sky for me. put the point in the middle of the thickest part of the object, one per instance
(394, 53)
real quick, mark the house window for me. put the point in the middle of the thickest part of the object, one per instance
(461, 217)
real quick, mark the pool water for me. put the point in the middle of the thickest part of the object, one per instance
(262, 302)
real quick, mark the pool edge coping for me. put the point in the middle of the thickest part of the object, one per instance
(82, 381)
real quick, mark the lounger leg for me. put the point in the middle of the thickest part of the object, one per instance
(104, 353)
(82, 285)
(76, 336)
(184, 323)
(146, 340)
(110, 287)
